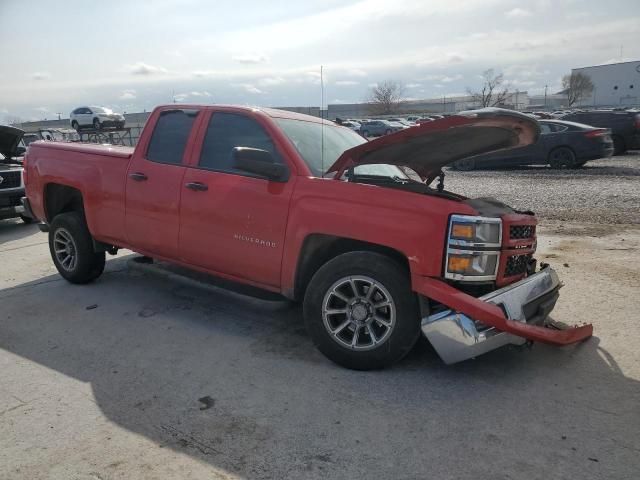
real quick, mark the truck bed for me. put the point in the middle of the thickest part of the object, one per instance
(98, 171)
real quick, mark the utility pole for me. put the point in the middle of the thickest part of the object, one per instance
(545, 97)
(58, 113)
(444, 103)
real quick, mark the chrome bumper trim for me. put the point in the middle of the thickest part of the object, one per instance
(457, 337)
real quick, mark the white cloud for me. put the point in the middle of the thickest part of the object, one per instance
(141, 68)
(518, 13)
(346, 83)
(249, 88)
(413, 85)
(271, 81)
(40, 75)
(251, 58)
(127, 95)
(356, 72)
(444, 78)
(200, 94)
(42, 109)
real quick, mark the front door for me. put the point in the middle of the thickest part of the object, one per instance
(154, 183)
(231, 222)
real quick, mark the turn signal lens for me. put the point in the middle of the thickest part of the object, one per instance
(459, 264)
(462, 231)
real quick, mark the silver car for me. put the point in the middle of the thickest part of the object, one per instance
(96, 118)
(376, 128)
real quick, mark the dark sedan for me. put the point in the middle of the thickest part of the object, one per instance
(561, 144)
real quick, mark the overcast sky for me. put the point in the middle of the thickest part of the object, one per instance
(131, 56)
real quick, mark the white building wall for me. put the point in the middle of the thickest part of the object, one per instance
(616, 84)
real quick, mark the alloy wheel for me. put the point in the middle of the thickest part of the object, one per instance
(358, 312)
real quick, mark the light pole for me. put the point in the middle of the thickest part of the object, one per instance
(545, 97)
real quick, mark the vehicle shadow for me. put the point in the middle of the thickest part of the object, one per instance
(273, 407)
(11, 230)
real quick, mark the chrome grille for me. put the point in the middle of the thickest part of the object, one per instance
(10, 179)
(521, 232)
(517, 264)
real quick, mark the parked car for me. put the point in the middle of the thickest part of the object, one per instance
(624, 126)
(96, 118)
(355, 126)
(422, 120)
(401, 121)
(11, 179)
(249, 194)
(413, 118)
(561, 144)
(376, 128)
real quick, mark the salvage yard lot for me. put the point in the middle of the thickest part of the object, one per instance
(137, 376)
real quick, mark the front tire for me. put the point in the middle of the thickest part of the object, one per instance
(75, 126)
(365, 133)
(71, 247)
(96, 124)
(360, 311)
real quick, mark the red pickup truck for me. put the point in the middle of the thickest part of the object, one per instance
(311, 210)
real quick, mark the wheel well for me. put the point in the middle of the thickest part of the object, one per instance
(318, 249)
(61, 198)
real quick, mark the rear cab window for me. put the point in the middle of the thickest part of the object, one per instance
(170, 136)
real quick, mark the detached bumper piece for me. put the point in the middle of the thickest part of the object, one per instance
(511, 315)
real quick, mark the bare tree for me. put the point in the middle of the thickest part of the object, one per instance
(577, 86)
(494, 90)
(385, 97)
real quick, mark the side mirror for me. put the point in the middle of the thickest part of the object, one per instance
(259, 162)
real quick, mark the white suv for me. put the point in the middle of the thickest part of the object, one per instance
(96, 118)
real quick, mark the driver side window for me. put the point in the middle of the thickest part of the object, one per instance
(227, 131)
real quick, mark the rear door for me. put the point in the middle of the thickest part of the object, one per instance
(154, 182)
(232, 222)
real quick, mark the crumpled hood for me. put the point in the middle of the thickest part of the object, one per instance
(9, 139)
(428, 147)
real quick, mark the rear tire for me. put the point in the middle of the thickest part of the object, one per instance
(619, 147)
(365, 133)
(375, 293)
(71, 247)
(387, 132)
(562, 157)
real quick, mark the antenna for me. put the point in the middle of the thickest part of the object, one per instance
(322, 117)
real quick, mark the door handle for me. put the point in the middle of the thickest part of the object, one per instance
(138, 177)
(196, 186)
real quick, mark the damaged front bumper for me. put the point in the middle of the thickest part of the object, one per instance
(511, 315)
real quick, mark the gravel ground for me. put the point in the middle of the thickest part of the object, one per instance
(603, 191)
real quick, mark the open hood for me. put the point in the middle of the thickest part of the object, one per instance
(428, 147)
(9, 139)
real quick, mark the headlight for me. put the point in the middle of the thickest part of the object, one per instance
(473, 248)
(475, 231)
(480, 265)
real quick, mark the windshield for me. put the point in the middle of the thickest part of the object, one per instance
(307, 137)
(102, 110)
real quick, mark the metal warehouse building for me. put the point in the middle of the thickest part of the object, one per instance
(615, 84)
